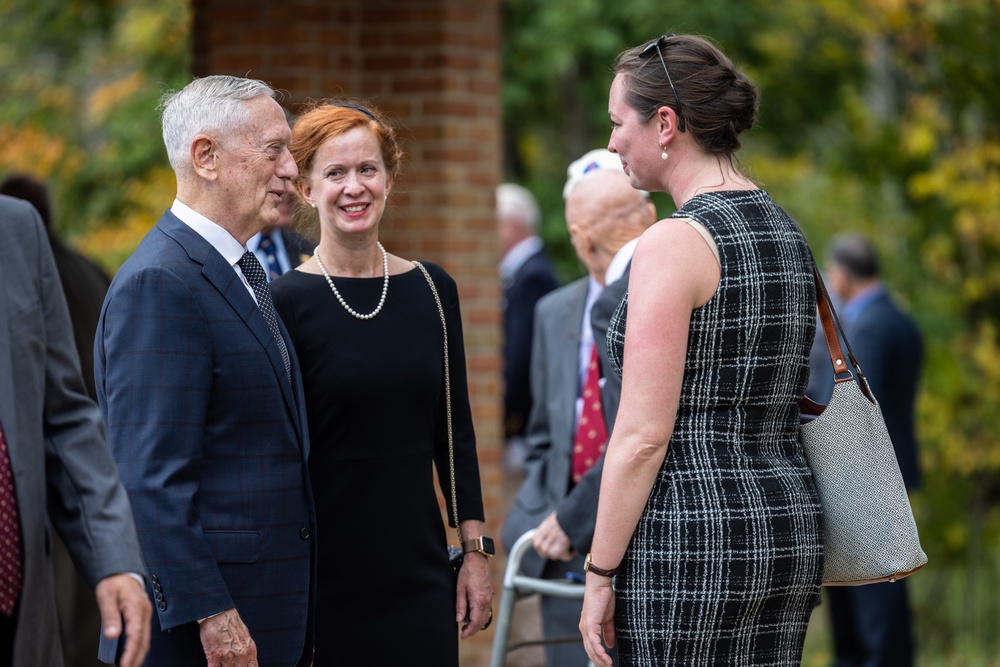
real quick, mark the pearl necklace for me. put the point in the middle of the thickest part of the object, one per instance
(385, 285)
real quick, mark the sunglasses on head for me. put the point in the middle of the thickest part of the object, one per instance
(647, 52)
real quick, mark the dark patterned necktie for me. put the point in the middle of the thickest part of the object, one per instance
(591, 433)
(10, 535)
(255, 276)
(270, 251)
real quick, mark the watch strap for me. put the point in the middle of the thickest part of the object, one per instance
(590, 567)
(477, 544)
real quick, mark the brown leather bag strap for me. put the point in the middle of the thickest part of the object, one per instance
(831, 325)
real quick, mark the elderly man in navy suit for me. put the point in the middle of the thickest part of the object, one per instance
(871, 624)
(202, 395)
(570, 421)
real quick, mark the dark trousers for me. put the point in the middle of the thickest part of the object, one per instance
(871, 625)
(7, 628)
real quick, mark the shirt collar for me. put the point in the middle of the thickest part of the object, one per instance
(218, 238)
(515, 258)
(859, 301)
(618, 264)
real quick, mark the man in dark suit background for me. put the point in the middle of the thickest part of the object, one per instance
(202, 395)
(558, 498)
(871, 624)
(53, 453)
(85, 286)
(526, 275)
(277, 247)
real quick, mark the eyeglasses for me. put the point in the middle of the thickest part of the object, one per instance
(648, 53)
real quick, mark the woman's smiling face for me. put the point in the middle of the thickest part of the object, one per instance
(348, 183)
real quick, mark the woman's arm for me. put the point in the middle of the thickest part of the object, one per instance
(673, 272)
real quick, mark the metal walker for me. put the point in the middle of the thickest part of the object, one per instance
(517, 586)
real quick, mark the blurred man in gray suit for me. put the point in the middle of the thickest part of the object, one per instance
(568, 429)
(54, 465)
(84, 285)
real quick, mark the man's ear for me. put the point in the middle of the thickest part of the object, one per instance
(205, 157)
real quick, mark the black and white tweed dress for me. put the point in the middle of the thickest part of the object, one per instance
(725, 564)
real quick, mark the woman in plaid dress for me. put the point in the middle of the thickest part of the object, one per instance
(708, 513)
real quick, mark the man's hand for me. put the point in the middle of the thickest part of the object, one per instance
(119, 597)
(227, 641)
(551, 542)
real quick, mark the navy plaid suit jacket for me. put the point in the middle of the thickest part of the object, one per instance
(212, 447)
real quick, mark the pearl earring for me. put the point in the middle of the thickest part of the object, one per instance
(663, 155)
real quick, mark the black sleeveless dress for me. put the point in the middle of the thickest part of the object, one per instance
(725, 565)
(375, 401)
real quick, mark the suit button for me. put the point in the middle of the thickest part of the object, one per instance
(154, 578)
(157, 588)
(159, 597)
(162, 606)
(304, 533)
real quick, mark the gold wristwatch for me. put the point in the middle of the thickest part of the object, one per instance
(590, 567)
(482, 544)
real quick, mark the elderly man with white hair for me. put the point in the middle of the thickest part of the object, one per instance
(574, 404)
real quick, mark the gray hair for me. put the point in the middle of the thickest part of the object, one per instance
(209, 105)
(856, 255)
(514, 201)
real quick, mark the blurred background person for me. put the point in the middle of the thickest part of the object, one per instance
(567, 431)
(708, 514)
(84, 283)
(85, 286)
(278, 248)
(526, 275)
(368, 333)
(872, 624)
(55, 470)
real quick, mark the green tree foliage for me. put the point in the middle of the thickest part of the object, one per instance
(880, 116)
(80, 85)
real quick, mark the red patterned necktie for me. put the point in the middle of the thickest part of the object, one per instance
(591, 432)
(10, 535)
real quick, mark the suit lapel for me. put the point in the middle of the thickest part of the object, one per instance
(223, 276)
(567, 362)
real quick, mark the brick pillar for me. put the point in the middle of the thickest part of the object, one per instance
(434, 66)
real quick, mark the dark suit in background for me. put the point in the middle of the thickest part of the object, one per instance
(521, 291)
(63, 472)
(293, 250)
(871, 624)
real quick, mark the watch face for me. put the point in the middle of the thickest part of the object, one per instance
(488, 545)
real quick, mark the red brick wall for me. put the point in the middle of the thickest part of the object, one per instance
(434, 66)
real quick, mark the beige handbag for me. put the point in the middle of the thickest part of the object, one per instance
(869, 534)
